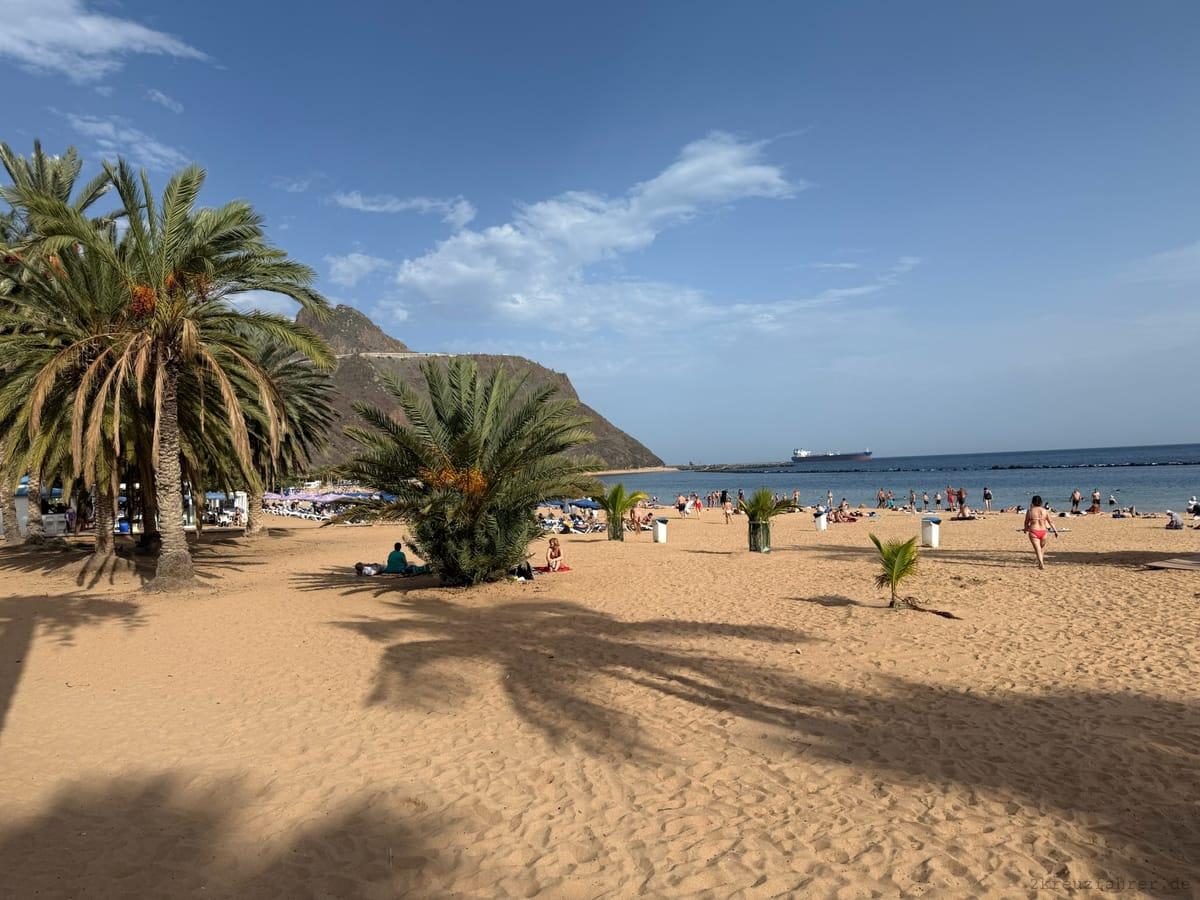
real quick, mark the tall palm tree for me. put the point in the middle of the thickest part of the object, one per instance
(54, 335)
(470, 466)
(179, 266)
(307, 398)
(23, 255)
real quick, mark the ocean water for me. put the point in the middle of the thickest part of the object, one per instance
(1150, 478)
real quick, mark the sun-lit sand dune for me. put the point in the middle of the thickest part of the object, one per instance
(679, 720)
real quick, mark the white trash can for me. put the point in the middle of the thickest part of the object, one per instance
(660, 531)
(822, 521)
(930, 528)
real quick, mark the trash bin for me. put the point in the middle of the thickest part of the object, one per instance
(123, 525)
(660, 531)
(930, 526)
(822, 521)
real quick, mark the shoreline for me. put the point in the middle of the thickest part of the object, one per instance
(645, 470)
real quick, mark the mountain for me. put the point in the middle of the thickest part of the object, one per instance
(365, 352)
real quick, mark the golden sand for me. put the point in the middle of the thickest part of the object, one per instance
(679, 720)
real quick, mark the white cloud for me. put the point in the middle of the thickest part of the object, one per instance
(156, 96)
(265, 302)
(455, 211)
(113, 135)
(535, 267)
(848, 266)
(64, 36)
(1174, 266)
(292, 185)
(350, 269)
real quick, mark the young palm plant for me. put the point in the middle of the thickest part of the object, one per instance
(470, 465)
(179, 266)
(760, 509)
(898, 560)
(616, 504)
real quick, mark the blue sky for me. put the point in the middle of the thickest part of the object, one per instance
(739, 228)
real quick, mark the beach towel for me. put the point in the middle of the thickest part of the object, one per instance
(547, 570)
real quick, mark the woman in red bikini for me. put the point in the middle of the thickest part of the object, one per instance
(1037, 523)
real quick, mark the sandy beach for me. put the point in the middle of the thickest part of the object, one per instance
(680, 720)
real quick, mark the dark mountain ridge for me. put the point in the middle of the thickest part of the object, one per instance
(365, 353)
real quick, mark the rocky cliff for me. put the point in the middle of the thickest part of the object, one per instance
(360, 345)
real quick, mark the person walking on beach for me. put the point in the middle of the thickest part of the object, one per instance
(962, 498)
(1095, 508)
(681, 505)
(1037, 523)
(925, 501)
(880, 497)
(937, 500)
(1076, 499)
(987, 498)
(829, 499)
(795, 499)
(912, 499)
(727, 508)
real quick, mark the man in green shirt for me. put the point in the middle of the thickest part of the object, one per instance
(397, 562)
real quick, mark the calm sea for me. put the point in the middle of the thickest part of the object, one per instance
(1150, 478)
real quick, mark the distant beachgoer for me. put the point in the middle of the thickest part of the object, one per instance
(925, 501)
(554, 555)
(912, 499)
(1076, 499)
(681, 505)
(987, 498)
(727, 508)
(397, 562)
(741, 495)
(962, 498)
(699, 505)
(829, 499)
(795, 499)
(1174, 521)
(1112, 501)
(724, 497)
(1037, 523)
(880, 499)
(937, 500)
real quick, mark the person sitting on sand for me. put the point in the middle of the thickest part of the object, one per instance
(397, 562)
(1037, 523)
(554, 555)
(1174, 521)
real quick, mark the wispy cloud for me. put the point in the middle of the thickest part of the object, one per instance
(350, 269)
(66, 37)
(265, 302)
(455, 211)
(536, 267)
(113, 136)
(847, 266)
(294, 185)
(156, 96)
(1176, 266)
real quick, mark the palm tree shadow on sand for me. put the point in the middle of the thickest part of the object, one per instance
(1129, 765)
(169, 835)
(554, 658)
(59, 619)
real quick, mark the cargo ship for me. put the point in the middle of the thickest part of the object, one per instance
(807, 456)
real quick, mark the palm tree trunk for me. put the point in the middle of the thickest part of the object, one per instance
(150, 534)
(8, 503)
(174, 561)
(34, 532)
(254, 512)
(105, 509)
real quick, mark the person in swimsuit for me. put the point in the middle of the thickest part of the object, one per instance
(554, 555)
(1037, 523)
(987, 498)
(1076, 499)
